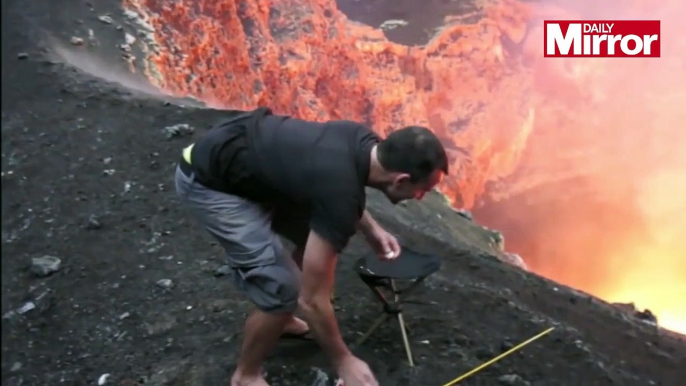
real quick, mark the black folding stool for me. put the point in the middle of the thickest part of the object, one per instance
(379, 275)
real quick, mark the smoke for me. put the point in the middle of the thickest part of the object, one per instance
(111, 68)
(610, 216)
(113, 72)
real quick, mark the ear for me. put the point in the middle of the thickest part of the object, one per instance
(401, 179)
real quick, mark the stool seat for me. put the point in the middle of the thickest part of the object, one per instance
(408, 266)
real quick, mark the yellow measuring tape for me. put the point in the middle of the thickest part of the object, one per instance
(499, 357)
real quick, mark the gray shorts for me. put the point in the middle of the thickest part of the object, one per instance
(260, 267)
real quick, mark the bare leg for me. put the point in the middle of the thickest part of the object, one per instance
(260, 336)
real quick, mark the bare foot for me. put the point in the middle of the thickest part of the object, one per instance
(238, 380)
(296, 326)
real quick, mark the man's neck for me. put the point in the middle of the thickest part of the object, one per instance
(377, 174)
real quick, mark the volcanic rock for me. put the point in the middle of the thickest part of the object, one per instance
(222, 271)
(45, 265)
(466, 214)
(178, 130)
(513, 379)
(514, 259)
(93, 223)
(165, 283)
(630, 309)
(106, 19)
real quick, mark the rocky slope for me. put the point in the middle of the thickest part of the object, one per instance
(136, 297)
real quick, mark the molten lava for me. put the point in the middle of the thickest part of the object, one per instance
(579, 161)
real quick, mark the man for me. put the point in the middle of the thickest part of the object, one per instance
(257, 175)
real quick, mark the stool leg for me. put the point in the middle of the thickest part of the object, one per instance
(401, 321)
(377, 323)
(406, 341)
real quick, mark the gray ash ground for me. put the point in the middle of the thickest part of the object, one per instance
(87, 177)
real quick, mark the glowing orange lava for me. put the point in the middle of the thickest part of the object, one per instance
(563, 134)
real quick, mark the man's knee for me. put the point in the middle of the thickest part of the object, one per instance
(272, 288)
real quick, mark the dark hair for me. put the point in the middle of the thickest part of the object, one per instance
(414, 150)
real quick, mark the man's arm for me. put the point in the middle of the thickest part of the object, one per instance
(385, 244)
(367, 223)
(319, 266)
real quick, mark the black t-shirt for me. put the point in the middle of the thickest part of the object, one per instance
(320, 168)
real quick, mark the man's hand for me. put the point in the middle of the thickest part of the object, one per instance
(354, 372)
(384, 244)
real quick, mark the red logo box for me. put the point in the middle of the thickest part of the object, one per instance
(601, 38)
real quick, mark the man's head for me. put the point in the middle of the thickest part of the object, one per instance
(408, 163)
